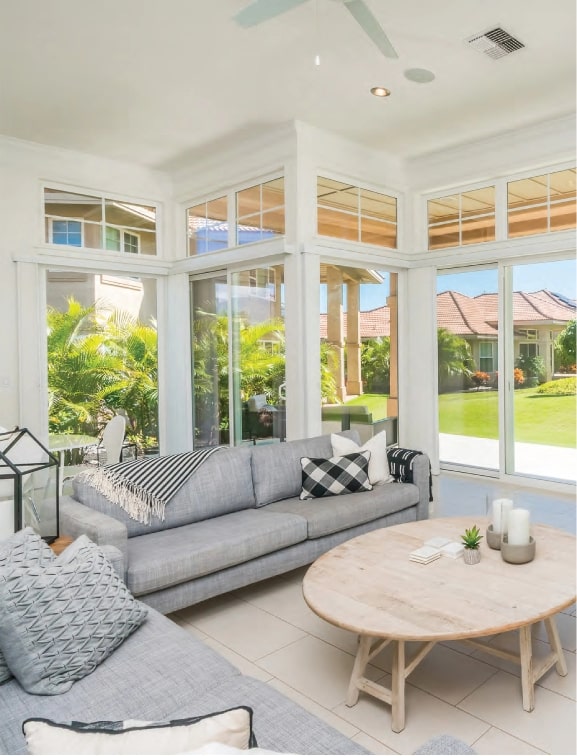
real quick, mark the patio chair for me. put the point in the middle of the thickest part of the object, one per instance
(111, 444)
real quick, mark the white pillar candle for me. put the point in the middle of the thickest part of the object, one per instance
(501, 509)
(518, 534)
(496, 520)
(506, 509)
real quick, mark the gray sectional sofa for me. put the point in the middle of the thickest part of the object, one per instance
(237, 520)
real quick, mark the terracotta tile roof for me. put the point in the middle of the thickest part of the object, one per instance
(471, 316)
(374, 323)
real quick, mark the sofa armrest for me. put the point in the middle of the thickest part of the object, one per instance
(410, 466)
(422, 479)
(76, 519)
(116, 559)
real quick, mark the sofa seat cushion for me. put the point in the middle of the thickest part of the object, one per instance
(332, 514)
(222, 484)
(170, 557)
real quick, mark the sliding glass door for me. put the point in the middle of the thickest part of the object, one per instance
(506, 369)
(238, 351)
(541, 339)
(468, 368)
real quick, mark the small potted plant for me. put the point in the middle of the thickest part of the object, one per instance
(471, 540)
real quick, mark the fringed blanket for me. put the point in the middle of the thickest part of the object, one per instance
(401, 465)
(143, 487)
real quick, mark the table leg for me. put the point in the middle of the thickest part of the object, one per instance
(555, 643)
(398, 687)
(527, 680)
(361, 661)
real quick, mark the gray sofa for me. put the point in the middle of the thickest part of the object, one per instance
(238, 520)
(161, 672)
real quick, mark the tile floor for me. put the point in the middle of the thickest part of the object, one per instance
(268, 632)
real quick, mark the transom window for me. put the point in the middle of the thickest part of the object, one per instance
(543, 203)
(464, 218)
(94, 222)
(207, 226)
(349, 212)
(260, 212)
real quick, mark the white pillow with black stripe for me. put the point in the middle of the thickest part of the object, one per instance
(335, 476)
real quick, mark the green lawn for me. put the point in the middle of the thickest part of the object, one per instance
(539, 419)
(377, 404)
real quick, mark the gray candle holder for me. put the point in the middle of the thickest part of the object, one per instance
(493, 538)
(517, 554)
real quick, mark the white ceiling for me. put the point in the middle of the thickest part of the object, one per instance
(151, 81)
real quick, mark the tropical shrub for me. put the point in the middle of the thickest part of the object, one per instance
(533, 367)
(480, 379)
(98, 367)
(455, 362)
(565, 346)
(561, 387)
(376, 365)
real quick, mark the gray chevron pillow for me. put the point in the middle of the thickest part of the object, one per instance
(25, 549)
(57, 623)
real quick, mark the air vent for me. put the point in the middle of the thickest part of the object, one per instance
(495, 43)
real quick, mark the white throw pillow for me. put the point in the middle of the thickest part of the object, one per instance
(229, 728)
(379, 471)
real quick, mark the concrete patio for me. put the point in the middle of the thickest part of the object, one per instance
(537, 460)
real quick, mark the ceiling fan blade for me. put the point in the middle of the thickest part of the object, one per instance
(365, 18)
(261, 10)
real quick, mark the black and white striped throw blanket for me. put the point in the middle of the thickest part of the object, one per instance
(143, 487)
(401, 466)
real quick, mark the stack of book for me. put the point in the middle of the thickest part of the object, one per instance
(424, 555)
(435, 548)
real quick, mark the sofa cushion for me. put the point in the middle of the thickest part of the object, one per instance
(276, 468)
(24, 548)
(232, 727)
(222, 484)
(59, 621)
(335, 513)
(169, 557)
(335, 476)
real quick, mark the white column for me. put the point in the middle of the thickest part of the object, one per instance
(418, 401)
(302, 308)
(174, 377)
(32, 349)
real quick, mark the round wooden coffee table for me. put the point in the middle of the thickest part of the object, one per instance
(368, 585)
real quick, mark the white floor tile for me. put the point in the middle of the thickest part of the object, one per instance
(498, 742)
(566, 627)
(426, 717)
(307, 703)
(549, 727)
(246, 629)
(286, 602)
(246, 667)
(316, 669)
(450, 675)
(371, 744)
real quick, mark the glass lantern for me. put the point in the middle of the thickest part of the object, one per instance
(29, 485)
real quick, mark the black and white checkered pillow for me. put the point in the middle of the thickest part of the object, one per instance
(335, 476)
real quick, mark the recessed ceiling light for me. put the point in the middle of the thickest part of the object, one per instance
(380, 92)
(419, 75)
